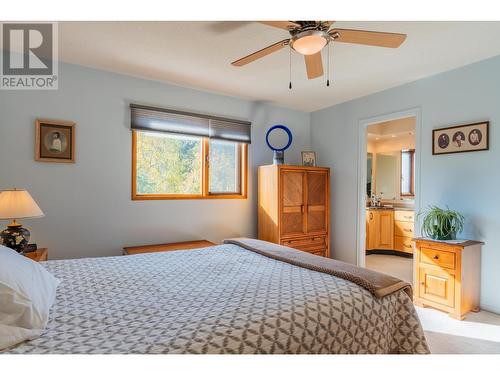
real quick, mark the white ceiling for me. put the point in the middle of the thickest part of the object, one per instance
(198, 55)
(383, 131)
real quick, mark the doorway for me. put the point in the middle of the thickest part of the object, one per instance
(389, 175)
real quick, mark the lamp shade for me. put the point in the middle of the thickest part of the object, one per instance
(18, 204)
(309, 44)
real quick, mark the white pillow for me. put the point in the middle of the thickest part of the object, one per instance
(27, 291)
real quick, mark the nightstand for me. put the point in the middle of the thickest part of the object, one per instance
(447, 275)
(131, 250)
(39, 255)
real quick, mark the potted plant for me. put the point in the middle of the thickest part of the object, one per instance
(441, 224)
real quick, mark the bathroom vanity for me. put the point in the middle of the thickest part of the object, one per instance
(390, 230)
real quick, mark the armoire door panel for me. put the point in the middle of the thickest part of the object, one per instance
(316, 221)
(316, 188)
(293, 188)
(316, 201)
(292, 204)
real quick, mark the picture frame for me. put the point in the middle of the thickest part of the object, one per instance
(54, 141)
(308, 158)
(461, 138)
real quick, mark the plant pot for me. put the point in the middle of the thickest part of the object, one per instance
(451, 236)
(436, 235)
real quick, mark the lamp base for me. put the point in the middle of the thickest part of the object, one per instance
(15, 237)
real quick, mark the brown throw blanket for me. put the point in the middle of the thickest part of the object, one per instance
(376, 283)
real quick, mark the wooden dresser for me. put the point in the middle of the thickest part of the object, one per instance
(294, 207)
(447, 275)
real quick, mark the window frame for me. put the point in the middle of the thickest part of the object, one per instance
(205, 165)
(412, 173)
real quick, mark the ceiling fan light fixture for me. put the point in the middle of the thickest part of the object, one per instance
(309, 42)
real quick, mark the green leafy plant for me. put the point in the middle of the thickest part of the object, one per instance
(441, 224)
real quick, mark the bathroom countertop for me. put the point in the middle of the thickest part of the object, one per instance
(391, 208)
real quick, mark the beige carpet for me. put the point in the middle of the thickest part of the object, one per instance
(399, 267)
(479, 333)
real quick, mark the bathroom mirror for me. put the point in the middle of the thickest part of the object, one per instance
(369, 171)
(387, 175)
(391, 175)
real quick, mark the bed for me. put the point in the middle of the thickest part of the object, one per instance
(230, 298)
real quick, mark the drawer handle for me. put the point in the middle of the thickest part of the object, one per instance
(408, 246)
(407, 230)
(436, 257)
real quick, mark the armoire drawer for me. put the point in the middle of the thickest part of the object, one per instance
(304, 241)
(311, 244)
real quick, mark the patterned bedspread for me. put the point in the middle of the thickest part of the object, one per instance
(222, 299)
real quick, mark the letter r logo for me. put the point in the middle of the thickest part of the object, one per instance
(28, 48)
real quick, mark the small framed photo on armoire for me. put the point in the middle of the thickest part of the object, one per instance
(308, 158)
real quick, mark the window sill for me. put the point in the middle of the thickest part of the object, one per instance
(139, 197)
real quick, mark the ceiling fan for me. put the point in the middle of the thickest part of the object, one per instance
(310, 37)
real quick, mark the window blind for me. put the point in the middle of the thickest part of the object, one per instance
(163, 120)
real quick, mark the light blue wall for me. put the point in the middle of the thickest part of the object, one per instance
(88, 207)
(468, 182)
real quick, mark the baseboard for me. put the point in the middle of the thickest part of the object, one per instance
(390, 252)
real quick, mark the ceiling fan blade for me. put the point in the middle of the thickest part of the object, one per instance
(261, 53)
(327, 23)
(370, 38)
(287, 25)
(314, 65)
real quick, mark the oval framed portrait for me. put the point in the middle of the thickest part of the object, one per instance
(475, 137)
(458, 139)
(54, 141)
(443, 141)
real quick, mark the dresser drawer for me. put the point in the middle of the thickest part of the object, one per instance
(404, 244)
(403, 228)
(313, 244)
(404, 216)
(436, 257)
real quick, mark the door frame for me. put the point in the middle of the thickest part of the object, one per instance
(362, 160)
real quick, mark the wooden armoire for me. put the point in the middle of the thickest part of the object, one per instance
(294, 207)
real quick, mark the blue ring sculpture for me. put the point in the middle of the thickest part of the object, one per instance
(279, 153)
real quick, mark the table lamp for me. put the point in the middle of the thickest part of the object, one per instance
(17, 204)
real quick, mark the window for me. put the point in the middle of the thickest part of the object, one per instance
(224, 167)
(168, 164)
(407, 173)
(175, 165)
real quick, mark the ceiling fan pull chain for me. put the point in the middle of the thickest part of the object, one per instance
(290, 63)
(328, 67)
